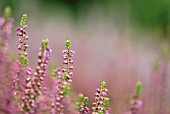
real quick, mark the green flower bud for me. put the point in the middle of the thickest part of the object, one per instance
(103, 85)
(44, 43)
(106, 102)
(100, 112)
(23, 60)
(7, 12)
(86, 99)
(64, 76)
(23, 20)
(138, 89)
(68, 44)
(66, 90)
(80, 99)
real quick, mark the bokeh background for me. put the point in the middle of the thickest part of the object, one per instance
(118, 41)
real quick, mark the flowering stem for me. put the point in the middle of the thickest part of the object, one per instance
(64, 80)
(82, 105)
(136, 103)
(101, 101)
(22, 46)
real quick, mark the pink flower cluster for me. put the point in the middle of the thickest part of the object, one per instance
(135, 105)
(33, 87)
(100, 105)
(64, 80)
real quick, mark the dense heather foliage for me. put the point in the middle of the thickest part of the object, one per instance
(27, 91)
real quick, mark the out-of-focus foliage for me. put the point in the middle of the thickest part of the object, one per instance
(152, 14)
(14, 4)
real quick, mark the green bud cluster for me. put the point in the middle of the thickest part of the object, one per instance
(138, 89)
(80, 98)
(106, 102)
(23, 20)
(66, 90)
(64, 76)
(82, 104)
(86, 99)
(44, 44)
(103, 85)
(68, 44)
(23, 60)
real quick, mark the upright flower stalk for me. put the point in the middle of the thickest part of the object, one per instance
(43, 58)
(22, 41)
(64, 80)
(33, 86)
(6, 26)
(68, 62)
(57, 106)
(29, 89)
(136, 102)
(6, 64)
(22, 57)
(100, 106)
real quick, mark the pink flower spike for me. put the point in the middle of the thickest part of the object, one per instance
(2, 21)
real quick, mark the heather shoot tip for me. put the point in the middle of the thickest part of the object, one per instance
(23, 20)
(103, 85)
(68, 44)
(7, 12)
(138, 89)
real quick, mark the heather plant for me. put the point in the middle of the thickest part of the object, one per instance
(24, 89)
(82, 105)
(101, 104)
(6, 26)
(23, 60)
(31, 89)
(64, 79)
(7, 65)
(136, 102)
(101, 100)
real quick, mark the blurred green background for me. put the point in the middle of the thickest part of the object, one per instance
(150, 14)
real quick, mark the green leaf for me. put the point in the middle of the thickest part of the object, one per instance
(86, 99)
